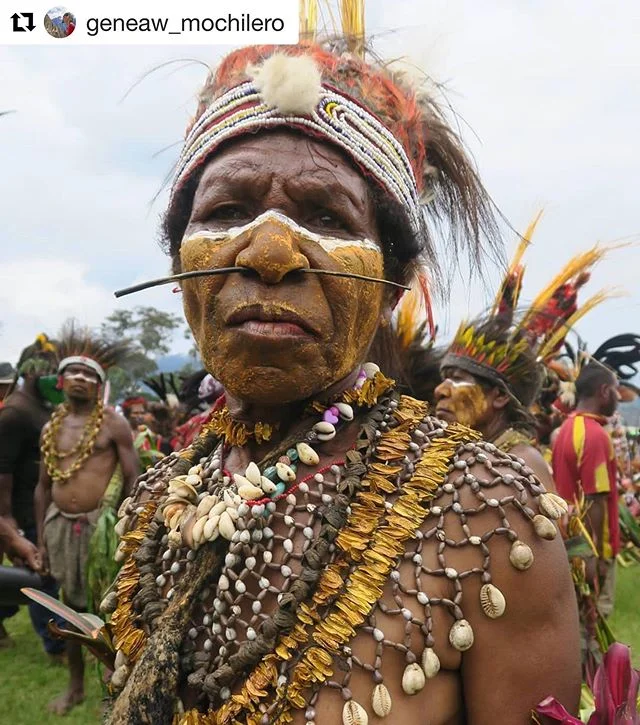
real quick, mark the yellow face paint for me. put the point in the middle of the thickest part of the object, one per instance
(343, 313)
(465, 402)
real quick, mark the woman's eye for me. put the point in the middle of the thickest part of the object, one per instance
(327, 220)
(229, 213)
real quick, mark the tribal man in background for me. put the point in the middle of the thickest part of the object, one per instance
(584, 461)
(493, 371)
(134, 410)
(83, 445)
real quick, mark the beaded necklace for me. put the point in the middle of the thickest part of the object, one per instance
(83, 448)
(193, 519)
(141, 526)
(286, 656)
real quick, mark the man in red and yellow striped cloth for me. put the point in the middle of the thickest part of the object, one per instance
(584, 463)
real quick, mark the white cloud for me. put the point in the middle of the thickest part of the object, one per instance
(548, 94)
(39, 294)
(549, 90)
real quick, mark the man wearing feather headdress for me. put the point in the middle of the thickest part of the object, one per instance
(87, 461)
(493, 371)
(134, 410)
(326, 551)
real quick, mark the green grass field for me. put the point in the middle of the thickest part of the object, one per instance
(625, 621)
(28, 681)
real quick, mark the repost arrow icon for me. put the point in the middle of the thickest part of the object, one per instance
(17, 24)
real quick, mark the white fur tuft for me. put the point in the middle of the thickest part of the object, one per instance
(290, 84)
(568, 393)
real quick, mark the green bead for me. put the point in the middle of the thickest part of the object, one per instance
(292, 454)
(270, 473)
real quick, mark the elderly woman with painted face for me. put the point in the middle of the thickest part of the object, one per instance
(326, 551)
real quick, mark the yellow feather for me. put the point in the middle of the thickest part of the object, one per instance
(352, 17)
(576, 265)
(560, 332)
(467, 336)
(350, 24)
(525, 241)
(308, 19)
(407, 322)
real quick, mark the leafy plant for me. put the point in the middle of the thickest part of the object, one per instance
(615, 693)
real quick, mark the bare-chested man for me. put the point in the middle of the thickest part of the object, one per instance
(326, 551)
(82, 446)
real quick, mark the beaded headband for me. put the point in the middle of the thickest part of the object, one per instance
(336, 117)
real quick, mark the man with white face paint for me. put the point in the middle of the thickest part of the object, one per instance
(87, 462)
(323, 552)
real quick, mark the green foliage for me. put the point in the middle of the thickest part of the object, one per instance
(102, 567)
(629, 526)
(151, 331)
(577, 547)
(194, 354)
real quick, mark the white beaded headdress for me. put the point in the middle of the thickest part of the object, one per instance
(286, 91)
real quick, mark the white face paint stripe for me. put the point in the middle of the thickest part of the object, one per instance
(329, 244)
(459, 383)
(80, 376)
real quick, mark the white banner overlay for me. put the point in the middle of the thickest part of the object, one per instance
(149, 22)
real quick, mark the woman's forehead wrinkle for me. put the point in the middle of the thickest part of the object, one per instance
(223, 165)
(237, 178)
(323, 188)
(318, 185)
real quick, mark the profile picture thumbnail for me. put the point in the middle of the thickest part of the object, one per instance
(60, 22)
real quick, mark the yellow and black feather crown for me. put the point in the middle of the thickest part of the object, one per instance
(506, 345)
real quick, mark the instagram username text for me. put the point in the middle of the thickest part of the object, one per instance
(243, 23)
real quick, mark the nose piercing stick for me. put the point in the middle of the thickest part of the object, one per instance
(244, 270)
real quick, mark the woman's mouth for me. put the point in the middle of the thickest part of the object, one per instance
(270, 322)
(272, 328)
(443, 413)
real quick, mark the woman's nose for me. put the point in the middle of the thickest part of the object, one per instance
(272, 252)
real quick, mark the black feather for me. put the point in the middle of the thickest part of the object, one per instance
(621, 353)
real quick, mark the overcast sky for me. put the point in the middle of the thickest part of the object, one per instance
(549, 90)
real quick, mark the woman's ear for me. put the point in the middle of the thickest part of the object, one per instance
(500, 399)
